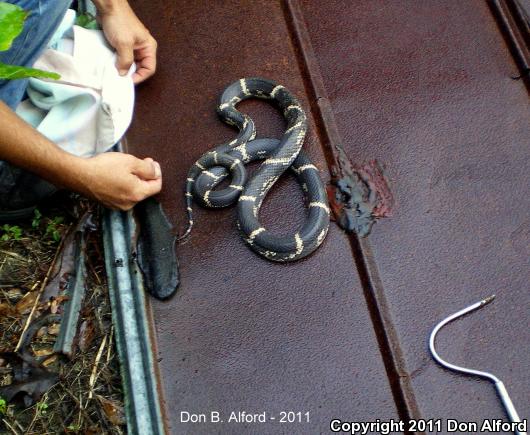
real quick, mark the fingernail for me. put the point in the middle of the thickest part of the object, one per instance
(158, 170)
(123, 72)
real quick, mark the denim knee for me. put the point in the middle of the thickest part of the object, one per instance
(43, 19)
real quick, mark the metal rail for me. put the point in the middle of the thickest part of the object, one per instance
(129, 316)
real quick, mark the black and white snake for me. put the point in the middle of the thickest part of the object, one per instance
(230, 158)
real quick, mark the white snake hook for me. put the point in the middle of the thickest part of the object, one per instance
(499, 386)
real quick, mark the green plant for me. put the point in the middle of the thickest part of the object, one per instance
(12, 18)
(50, 228)
(87, 20)
(53, 228)
(37, 215)
(3, 406)
(42, 407)
(11, 232)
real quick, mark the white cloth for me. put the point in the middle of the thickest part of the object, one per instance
(90, 107)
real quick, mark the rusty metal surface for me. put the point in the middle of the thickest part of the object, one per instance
(427, 90)
(243, 334)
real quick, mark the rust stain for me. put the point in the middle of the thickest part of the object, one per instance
(360, 196)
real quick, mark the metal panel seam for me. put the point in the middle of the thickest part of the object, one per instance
(513, 35)
(327, 130)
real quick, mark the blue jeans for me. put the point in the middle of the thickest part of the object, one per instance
(18, 188)
(44, 18)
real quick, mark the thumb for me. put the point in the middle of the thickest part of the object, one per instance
(152, 187)
(147, 169)
(125, 58)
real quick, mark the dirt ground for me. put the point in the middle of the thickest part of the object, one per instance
(81, 394)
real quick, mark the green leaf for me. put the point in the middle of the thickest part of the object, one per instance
(56, 235)
(12, 72)
(12, 19)
(11, 232)
(88, 21)
(37, 215)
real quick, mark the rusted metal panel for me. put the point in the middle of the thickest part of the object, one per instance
(242, 333)
(426, 88)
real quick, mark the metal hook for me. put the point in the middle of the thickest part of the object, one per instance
(499, 386)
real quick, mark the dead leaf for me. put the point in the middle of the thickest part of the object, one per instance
(41, 332)
(86, 335)
(56, 303)
(30, 378)
(54, 328)
(43, 352)
(14, 293)
(64, 268)
(113, 411)
(49, 361)
(25, 305)
(7, 310)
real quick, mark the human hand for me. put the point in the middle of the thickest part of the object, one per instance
(119, 180)
(132, 41)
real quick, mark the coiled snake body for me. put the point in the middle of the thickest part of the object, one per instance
(287, 153)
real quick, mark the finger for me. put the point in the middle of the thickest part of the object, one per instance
(142, 73)
(147, 188)
(153, 187)
(125, 206)
(125, 58)
(147, 169)
(145, 58)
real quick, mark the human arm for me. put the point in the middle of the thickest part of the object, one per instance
(132, 41)
(117, 180)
